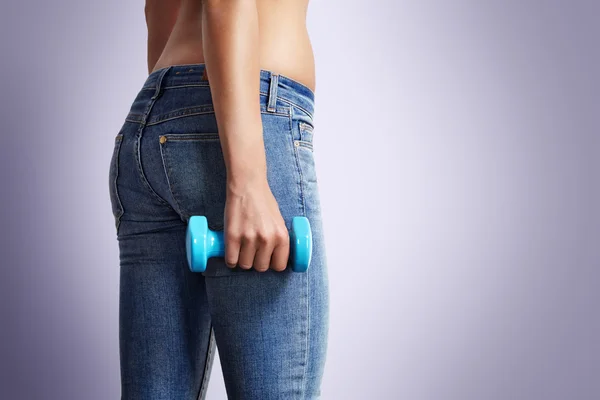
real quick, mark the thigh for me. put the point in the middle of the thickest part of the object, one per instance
(164, 321)
(271, 331)
(165, 326)
(270, 328)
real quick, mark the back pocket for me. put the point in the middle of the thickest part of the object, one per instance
(197, 176)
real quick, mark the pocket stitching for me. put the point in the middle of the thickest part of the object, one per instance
(116, 153)
(306, 126)
(298, 142)
(167, 165)
(190, 136)
(304, 143)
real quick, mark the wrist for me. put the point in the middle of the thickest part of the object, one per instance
(246, 163)
(248, 176)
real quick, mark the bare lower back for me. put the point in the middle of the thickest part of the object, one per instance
(284, 44)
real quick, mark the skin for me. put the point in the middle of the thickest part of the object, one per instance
(236, 39)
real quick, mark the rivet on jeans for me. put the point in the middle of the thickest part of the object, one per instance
(163, 139)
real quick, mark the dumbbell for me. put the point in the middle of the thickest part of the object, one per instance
(203, 243)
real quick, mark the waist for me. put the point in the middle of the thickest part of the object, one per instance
(287, 90)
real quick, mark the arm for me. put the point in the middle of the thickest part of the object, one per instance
(160, 18)
(230, 44)
(255, 232)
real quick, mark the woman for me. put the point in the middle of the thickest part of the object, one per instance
(222, 127)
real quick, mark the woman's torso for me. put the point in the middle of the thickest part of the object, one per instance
(284, 45)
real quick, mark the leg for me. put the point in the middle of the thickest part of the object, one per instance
(271, 331)
(270, 328)
(166, 342)
(165, 328)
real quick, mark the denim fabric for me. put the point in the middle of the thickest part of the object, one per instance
(270, 328)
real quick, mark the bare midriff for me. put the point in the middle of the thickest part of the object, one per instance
(284, 45)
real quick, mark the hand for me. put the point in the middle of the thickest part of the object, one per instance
(255, 232)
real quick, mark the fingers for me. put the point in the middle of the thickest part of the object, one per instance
(247, 250)
(233, 242)
(262, 259)
(259, 250)
(281, 251)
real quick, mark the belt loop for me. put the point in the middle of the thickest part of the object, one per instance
(159, 82)
(273, 82)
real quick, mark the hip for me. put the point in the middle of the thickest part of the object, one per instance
(168, 156)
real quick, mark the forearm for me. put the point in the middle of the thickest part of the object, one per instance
(160, 18)
(230, 45)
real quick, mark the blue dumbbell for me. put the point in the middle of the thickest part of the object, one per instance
(202, 243)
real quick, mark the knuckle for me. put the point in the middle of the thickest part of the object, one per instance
(234, 237)
(249, 235)
(264, 237)
(282, 235)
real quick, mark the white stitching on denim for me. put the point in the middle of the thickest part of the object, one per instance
(307, 329)
(117, 151)
(139, 118)
(184, 86)
(272, 96)
(306, 126)
(140, 131)
(293, 104)
(201, 113)
(193, 136)
(297, 159)
(305, 144)
(177, 117)
(143, 178)
(163, 156)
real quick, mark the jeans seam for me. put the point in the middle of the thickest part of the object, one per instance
(305, 144)
(183, 115)
(306, 126)
(163, 157)
(186, 86)
(292, 104)
(297, 160)
(181, 112)
(307, 342)
(117, 152)
(137, 152)
(145, 182)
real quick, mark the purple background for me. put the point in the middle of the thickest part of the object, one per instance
(458, 152)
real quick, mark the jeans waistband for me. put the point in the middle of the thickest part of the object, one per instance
(272, 84)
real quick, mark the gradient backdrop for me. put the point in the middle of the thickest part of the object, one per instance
(458, 152)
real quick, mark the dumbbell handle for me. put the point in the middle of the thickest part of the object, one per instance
(203, 243)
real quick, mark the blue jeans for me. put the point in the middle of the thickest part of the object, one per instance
(270, 327)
